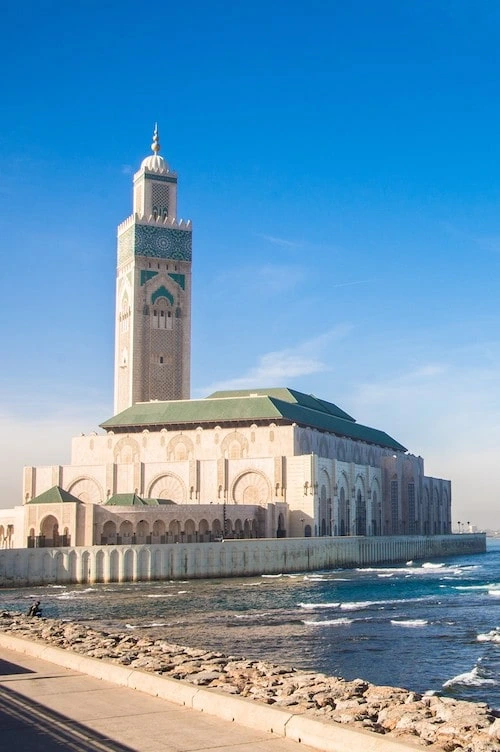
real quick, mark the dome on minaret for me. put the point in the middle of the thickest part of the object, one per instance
(155, 163)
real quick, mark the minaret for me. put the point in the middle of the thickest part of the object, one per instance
(153, 291)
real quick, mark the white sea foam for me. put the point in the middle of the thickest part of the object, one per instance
(271, 576)
(470, 679)
(410, 622)
(432, 565)
(162, 595)
(252, 615)
(492, 636)
(314, 606)
(73, 594)
(409, 563)
(490, 586)
(391, 574)
(330, 622)
(356, 605)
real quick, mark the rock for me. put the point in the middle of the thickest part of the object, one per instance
(441, 723)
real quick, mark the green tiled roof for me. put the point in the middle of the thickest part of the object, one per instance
(133, 500)
(54, 495)
(125, 500)
(283, 406)
(288, 395)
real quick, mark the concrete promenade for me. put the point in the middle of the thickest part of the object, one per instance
(44, 706)
(56, 699)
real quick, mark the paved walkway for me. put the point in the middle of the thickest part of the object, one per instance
(43, 706)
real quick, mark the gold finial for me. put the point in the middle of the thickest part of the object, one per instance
(155, 146)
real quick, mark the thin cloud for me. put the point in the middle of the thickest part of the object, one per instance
(268, 278)
(354, 282)
(281, 241)
(490, 243)
(280, 366)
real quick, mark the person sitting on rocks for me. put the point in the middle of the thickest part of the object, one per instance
(34, 609)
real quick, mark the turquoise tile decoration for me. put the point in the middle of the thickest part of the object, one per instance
(180, 279)
(163, 243)
(162, 292)
(147, 274)
(126, 246)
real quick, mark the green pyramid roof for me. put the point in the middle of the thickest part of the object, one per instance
(126, 500)
(281, 406)
(54, 495)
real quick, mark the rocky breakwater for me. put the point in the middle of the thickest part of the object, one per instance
(438, 723)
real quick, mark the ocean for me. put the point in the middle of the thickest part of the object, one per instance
(422, 625)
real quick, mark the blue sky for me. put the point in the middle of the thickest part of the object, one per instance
(341, 166)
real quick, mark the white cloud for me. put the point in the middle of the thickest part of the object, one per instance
(279, 367)
(281, 241)
(265, 279)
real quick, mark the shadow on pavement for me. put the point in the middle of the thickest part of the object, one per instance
(28, 726)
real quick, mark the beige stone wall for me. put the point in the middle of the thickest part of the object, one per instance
(326, 495)
(229, 559)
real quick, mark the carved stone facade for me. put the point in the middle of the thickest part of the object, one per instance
(153, 292)
(275, 463)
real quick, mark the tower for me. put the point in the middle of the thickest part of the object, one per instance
(153, 291)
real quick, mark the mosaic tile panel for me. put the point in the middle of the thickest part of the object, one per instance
(126, 246)
(163, 243)
(162, 292)
(180, 279)
(147, 274)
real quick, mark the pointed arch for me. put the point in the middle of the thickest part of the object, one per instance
(167, 486)
(251, 487)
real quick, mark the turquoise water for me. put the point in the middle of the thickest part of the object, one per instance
(423, 625)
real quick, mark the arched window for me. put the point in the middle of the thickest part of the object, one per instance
(162, 315)
(395, 506)
(411, 508)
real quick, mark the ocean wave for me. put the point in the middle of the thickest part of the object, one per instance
(162, 595)
(432, 565)
(410, 622)
(252, 615)
(330, 622)
(495, 592)
(490, 586)
(73, 594)
(319, 605)
(272, 576)
(356, 605)
(470, 679)
(492, 636)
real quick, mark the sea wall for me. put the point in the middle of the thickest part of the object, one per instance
(230, 558)
(323, 712)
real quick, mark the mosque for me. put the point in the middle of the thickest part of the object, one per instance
(251, 463)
